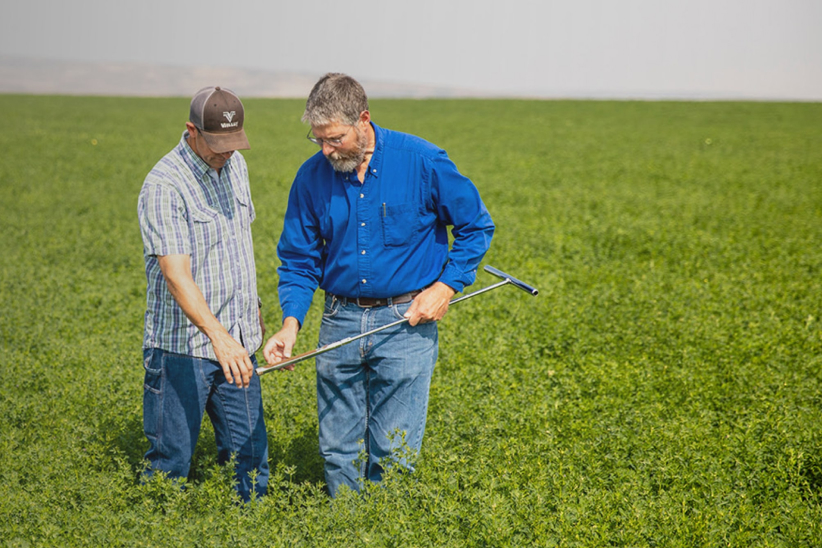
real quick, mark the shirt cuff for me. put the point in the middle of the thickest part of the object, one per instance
(457, 280)
(295, 311)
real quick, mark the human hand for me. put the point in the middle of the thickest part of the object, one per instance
(234, 360)
(279, 346)
(430, 305)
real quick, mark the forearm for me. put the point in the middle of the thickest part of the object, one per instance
(458, 203)
(300, 252)
(177, 272)
(296, 291)
(233, 358)
(465, 255)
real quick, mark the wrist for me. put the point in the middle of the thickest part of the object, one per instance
(447, 289)
(291, 324)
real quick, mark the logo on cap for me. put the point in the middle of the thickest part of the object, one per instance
(230, 124)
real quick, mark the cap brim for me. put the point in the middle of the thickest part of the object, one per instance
(226, 142)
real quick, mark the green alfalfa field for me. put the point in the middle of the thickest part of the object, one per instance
(664, 388)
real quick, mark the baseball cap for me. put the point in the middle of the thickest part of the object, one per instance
(218, 114)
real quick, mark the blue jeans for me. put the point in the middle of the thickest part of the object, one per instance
(371, 388)
(177, 390)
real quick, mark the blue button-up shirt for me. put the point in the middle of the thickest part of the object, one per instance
(386, 236)
(186, 207)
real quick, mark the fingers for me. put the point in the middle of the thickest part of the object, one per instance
(276, 350)
(429, 306)
(271, 350)
(413, 314)
(238, 370)
(279, 346)
(235, 361)
(247, 372)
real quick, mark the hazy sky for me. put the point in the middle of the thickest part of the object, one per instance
(770, 49)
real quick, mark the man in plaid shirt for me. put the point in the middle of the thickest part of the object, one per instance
(203, 321)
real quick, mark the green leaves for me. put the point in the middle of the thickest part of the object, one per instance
(662, 390)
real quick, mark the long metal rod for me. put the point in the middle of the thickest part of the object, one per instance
(331, 346)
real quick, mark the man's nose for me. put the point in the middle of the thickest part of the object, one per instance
(328, 149)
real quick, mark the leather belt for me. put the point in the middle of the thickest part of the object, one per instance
(369, 302)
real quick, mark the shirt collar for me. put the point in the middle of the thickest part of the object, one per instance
(197, 164)
(375, 163)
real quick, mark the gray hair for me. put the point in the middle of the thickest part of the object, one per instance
(335, 98)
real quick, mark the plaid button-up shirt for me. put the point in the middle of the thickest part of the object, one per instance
(185, 207)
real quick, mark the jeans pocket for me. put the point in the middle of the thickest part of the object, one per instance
(331, 307)
(154, 372)
(400, 309)
(152, 393)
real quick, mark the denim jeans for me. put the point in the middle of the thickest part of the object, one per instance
(371, 388)
(177, 390)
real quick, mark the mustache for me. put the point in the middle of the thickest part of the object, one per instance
(347, 162)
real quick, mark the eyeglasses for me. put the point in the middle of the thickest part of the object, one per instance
(330, 142)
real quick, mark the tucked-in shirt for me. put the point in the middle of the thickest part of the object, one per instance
(386, 236)
(186, 207)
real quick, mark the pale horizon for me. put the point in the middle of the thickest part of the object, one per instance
(700, 49)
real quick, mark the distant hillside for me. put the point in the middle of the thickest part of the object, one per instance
(43, 76)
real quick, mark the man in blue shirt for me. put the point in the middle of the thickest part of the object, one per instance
(367, 222)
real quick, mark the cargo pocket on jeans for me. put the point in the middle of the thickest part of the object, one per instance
(152, 392)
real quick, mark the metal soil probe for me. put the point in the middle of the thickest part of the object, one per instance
(506, 279)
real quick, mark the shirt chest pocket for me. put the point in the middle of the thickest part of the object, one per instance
(245, 211)
(400, 223)
(205, 226)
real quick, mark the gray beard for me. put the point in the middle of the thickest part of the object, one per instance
(348, 162)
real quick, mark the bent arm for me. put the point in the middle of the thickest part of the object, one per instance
(232, 356)
(458, 203)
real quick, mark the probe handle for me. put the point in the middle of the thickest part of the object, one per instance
(513, 281)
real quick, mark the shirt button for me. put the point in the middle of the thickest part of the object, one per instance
(363, 252)
(362, 224)
(362, 195)
(373, 171)
(363, 281)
